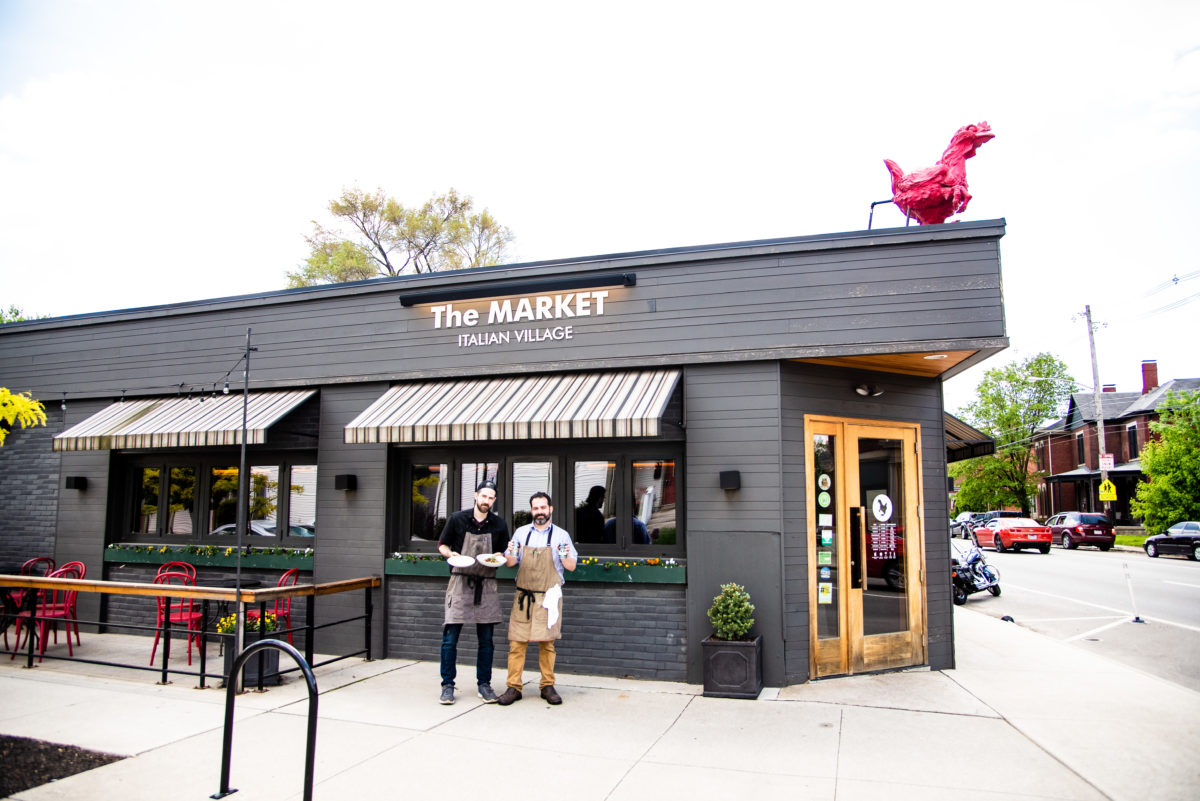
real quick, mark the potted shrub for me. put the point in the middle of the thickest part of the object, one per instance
(270, 656)
(732, 658)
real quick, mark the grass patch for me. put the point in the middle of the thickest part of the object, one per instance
(1135, 540)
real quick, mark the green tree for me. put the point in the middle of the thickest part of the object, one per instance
(19, 408)
(1012, 403)
(1171, 464)
(14, 314)
(378, 236)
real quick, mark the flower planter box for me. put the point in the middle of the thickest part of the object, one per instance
(732, 668)
(250, 669)
(632, 574)
(267, 561)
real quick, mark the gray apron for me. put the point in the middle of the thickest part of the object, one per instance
(471, 595)
(528, 618)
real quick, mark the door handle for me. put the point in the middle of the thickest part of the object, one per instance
(858, 570)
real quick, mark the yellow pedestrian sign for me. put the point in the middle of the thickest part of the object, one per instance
(1108, 491)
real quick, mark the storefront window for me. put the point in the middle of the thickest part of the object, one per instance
(148, 487)
(610, 504)
(428, 518)
(528, 478)
(222, 499)
(594, 500)
(302, 501)
(473, 474)
(182, 500)
(199, 500)
(653, 483)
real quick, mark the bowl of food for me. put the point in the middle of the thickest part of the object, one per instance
(490, 560)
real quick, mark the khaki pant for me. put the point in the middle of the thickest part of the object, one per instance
(516, 663)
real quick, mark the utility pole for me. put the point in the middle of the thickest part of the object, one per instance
(1087, 312)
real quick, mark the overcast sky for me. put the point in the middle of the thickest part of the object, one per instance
(155, 152)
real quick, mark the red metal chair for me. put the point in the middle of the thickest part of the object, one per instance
(281, 607)
(38, 566)
(52, 605)
(72, 615)
(182, 611)
(178, 567)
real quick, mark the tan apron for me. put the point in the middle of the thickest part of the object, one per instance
(471, 596)
(527, 621)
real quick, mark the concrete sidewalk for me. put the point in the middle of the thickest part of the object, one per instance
(1022, 716)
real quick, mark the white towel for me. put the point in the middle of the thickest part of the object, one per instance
(550, 601)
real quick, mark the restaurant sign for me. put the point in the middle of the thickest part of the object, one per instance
(549, 314)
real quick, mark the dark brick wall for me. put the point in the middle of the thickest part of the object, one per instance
(636, 631)
(138, 610)
(29, 490)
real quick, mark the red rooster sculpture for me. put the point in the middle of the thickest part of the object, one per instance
(932, 194)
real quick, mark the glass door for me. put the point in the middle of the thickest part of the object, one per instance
(866, 572)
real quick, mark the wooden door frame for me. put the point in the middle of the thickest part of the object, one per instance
(879, 652)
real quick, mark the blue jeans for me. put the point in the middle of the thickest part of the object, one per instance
(483, 659)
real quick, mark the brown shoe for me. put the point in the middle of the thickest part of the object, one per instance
(509, 696)
(551, 695)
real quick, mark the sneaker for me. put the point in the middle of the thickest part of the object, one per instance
(551, 695)
(486, 693)
(447, 694)
(509, 696)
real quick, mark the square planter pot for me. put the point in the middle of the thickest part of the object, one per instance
(270, 665)
(732, 668)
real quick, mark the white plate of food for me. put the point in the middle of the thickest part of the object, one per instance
(460, 561)
(490, 560)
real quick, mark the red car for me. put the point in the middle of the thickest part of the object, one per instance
(1016, 533)
(1072, 529)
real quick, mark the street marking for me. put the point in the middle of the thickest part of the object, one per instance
(1122, 621)
(1182, 584)
(1102, 606)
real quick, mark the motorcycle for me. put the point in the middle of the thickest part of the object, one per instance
(969, 571)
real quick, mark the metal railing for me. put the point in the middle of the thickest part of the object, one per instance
(242, 599)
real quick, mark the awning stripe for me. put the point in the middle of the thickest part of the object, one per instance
(177, 422)
(557, 406)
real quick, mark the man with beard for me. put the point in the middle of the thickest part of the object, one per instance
(543, 551)
(471, 594)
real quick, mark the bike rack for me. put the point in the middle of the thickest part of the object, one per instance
(231, 693)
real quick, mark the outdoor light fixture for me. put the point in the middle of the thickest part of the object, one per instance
(76, 482)
(345, 481)
(549, 284)
(935, 356)
(868, 390)
(731, 479)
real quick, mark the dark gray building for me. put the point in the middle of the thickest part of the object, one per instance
(763, 412)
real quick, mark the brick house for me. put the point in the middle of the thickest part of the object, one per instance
(1067, 452)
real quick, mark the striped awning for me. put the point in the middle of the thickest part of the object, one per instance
(180, 422)
(556, 406)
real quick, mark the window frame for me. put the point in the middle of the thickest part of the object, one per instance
(1132, 445)
(562, 455)
(132, 463)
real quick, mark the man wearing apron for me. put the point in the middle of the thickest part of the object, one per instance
(542, 550)
(471, 594)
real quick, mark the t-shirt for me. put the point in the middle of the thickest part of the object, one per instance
(531, 537)
(459, 524)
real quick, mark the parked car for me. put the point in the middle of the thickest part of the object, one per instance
(1072, 529)
(1181, 538)
(256, 529)
(1016, 533)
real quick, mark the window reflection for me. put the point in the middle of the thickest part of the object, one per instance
(182, 499)
(528, 478)
(473, 474)
(594, 499)
(654, 492)
(222, 498)
(148, 501)
(264, 496)
(428, 501)
(302, 501)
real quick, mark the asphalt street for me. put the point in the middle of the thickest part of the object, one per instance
(1084, 597)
